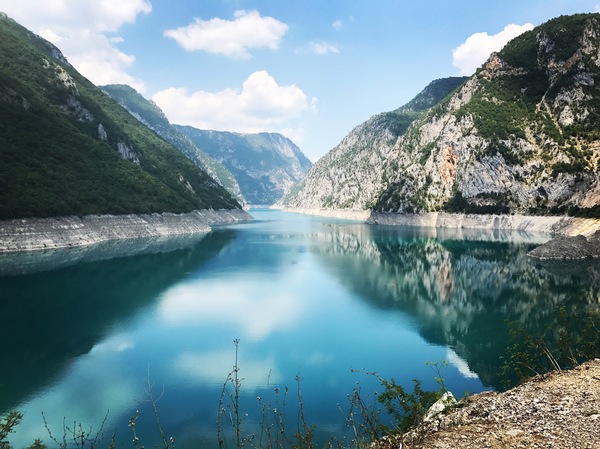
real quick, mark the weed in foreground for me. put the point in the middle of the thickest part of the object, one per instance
(405, 409)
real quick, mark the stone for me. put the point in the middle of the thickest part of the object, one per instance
(34, 234)
(102, 132)
(445, 402)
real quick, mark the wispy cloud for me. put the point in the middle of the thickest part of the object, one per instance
(323, 48)
(232, 38)
(339, 24)
(469, 55)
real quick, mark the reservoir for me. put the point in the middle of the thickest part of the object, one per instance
(132, 341)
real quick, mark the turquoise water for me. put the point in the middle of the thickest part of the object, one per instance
(308, 298)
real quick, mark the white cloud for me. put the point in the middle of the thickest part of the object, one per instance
(323, 48)
(232, 38)
(79, 30)
(260, 105)
(469, 55)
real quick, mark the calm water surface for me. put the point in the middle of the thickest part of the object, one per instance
(83, 335)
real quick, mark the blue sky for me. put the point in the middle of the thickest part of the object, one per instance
(311, 69)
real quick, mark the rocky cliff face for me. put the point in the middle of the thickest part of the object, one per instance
(521, 135)
(354, 173)
(151, 115)
(266, 165)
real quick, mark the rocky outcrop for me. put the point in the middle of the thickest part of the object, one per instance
(556, 410)
(33, 234)
(570, 247)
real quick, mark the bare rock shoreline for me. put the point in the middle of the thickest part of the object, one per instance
(36, 234)
(567, 237)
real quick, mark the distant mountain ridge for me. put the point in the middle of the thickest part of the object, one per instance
(266, 165)
(147, 112)
(67, 148)
(522, 135)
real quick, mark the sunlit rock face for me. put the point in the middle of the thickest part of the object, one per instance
(354, 173)
(519, 136)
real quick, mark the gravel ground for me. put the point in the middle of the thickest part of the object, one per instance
(556, 410)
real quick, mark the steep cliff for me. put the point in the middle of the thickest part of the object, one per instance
(354, 173)
(67, 148)
(266, 165)
(520, 136)
(147, 112)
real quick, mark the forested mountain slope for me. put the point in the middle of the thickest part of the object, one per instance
(147, 112)
(67, 148)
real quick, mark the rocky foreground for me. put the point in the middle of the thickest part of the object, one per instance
(556, 410)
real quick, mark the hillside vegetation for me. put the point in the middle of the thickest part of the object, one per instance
(67, 148)
(148, 113)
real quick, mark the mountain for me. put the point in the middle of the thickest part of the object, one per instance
(147, 112)
(67, 148)
(522, 135)
(265, 165)
(350, 175)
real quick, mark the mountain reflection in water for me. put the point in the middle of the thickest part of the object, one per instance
(461, 289)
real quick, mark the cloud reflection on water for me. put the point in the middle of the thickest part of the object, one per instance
(212, 368)
(242, 304)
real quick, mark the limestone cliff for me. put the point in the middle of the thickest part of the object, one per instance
(519, 136)
(354, 173)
